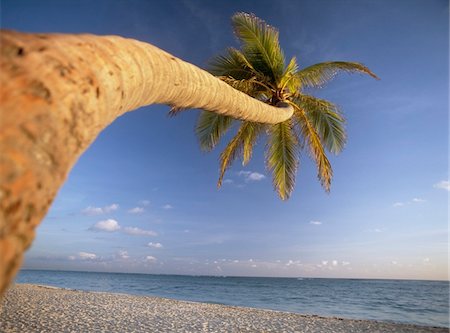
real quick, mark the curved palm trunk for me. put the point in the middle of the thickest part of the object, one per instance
(59, 91)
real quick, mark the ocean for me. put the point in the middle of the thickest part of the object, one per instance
(403, 301)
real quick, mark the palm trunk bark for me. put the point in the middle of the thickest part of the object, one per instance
(58, 92)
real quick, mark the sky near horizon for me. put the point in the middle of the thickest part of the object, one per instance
(143, 198)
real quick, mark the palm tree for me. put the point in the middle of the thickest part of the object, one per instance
(59, 91)
(259, 70)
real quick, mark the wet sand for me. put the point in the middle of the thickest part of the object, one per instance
(31, 308)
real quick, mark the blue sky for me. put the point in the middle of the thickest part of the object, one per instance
(143, 198)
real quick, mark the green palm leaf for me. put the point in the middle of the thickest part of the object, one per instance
(319, 74)
(326, 119)
(282, 157)
(289, 79)
(210, 128)
(259, 44)
(325, 173)
(250, 87)
(233, 63)
(241, 145)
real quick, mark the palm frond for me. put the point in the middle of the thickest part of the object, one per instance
(260, 44)
(250, 87)
(289, 78)
(232, 64)
(326, 119)
(324, 171)
(210, 128)
(319, 74)
(282, 157)
(175, 111)
(240, 145)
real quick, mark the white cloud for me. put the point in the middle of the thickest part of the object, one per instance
(334, 262)
(139, 232)
(150, 258)
(144, 202)
(136, 210)
(228, 181)
(255, 176)
(315, 222)
(414, 200)
(345, 263)
(289, 263)
(92, 210)
(167, 206)
(109, 225)
(443, 185)
(87, 255)
(111, 208)
(324, 262)
(426, 260)
(123, 254)
(99, 210)
(155, 245)
(250, 176)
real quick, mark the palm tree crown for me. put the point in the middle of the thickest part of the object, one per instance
(259, 70)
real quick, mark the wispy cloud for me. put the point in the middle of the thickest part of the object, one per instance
(86, 256)
(151, 259)
(91, 210)
(412, 201)
(442, 185)
(293, 262)
(255, 176)
(122, 254)
(167, 206)
(155, 245)
(109, 225)
(228, 181)
(136, 210)
(251, 176)
(139, 232)
(144, 202)
(315, 222)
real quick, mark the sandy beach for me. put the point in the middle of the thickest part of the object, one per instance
(33, 308)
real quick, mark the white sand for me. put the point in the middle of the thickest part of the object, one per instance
(32, 308)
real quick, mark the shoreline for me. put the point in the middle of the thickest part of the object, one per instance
(31, 308)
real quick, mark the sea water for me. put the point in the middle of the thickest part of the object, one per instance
(405, 301)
